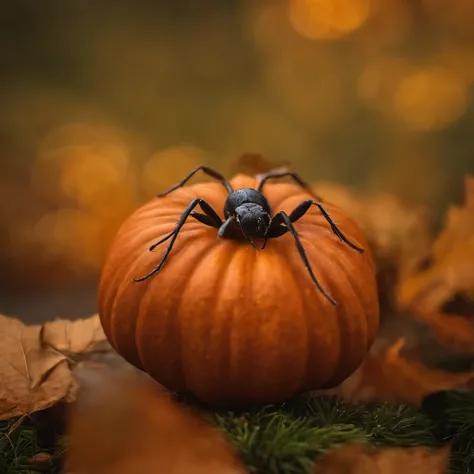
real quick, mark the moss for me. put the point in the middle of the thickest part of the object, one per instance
(289, 437)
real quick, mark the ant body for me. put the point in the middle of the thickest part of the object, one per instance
(248, 209)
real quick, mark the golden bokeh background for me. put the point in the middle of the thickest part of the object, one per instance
(103, 104)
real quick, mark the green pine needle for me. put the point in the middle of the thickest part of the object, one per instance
(289, 438)
(17, 445)
(455, 423)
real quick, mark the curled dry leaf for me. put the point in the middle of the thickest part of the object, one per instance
(400, 235)
(32, 377)
(387, 376)
(453, 332)
(36, 361)
(73, 338)
(451, 272)
(363, 459)
(82, 342)
(127, 425)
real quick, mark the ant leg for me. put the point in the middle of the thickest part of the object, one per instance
(283, 173)
(174, 234)
(210, 218)
(282, 216)
(301, 210)
(205, 169)
(204, 219)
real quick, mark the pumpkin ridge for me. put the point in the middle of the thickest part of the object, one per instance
(116, 280)
(340, 295)
(306, 314)
(247, 291)
(280, 203)
(190, 226)
(181, 376)
(230, 315)
(366, 310)
(318, 269)
(218, 288)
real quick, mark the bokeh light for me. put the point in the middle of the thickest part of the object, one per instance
(431, 99)
(375, 94)
(169, 166)
(328, 19)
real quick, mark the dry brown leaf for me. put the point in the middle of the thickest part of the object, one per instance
(399, 235)
(126, 425)
(36, 362)
(454, 332)
(451, 272)
(387, 376)
(362, 459)
(74, 337)
(32, 378)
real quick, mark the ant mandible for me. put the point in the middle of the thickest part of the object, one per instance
(249, 210)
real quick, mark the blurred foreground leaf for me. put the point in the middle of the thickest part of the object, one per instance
(363, 459)
(126, 425)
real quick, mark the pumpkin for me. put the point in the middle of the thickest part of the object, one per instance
(232, 324)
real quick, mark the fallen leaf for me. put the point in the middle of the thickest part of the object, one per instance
(128, 425)
(387, 376)
(454, 332)
(363, 459)
(451, 272)
(32, 378)
(399, 235)
(38, 364)
(74, 338)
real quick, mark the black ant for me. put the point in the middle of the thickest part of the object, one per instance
(248, 209)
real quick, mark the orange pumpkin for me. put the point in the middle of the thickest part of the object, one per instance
(230, 323)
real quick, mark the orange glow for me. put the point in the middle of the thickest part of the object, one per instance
(170, 166)
(72, 235)
(328, 19)
(431, 99)
(86, 173)
(79, 161)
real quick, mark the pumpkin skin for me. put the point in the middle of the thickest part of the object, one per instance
(231, 324)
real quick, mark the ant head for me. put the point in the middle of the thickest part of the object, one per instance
(253, 220)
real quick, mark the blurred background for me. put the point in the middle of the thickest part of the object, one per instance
(105, 103)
